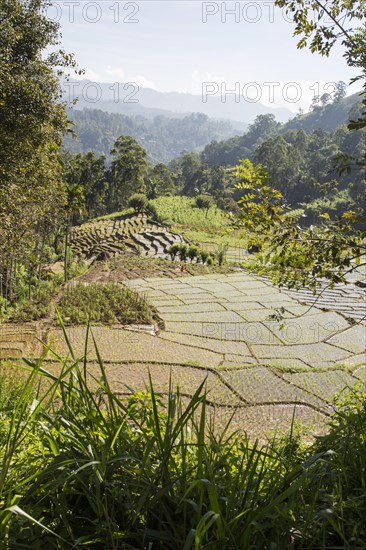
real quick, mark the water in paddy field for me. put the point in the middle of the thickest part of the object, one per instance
(358, 275)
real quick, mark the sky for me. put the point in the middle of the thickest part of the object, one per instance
(181, 45)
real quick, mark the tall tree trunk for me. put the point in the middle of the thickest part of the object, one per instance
(66, 249)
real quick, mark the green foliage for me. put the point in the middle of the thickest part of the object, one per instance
(174, 250)
(152, 211)
(221, 255)
(207, 258)
(32, 125)
(127, 172)
(327, 117)
(324, 27)
(303, 166)
(164, 137)
(4, 306)
(294, 255)
(35, 300)
(104, 303)
(83, 467)
(139, 203)
(160, 182)
(194, 253)
(333, 249)
(183, 252)
(229, 152)
(204, 256)
(261, 204)
(88, 172)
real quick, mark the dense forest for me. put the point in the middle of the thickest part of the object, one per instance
(163, 137)
(302, 165)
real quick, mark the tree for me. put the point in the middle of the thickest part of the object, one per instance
(33, 122)
(294, 255)
(260, 203)
(160, 182)
(127, 172)
(263, 127)
(193, 173)
(321, 25)
(325, 99)
(89, 172)
(139, 202)
(340, 91)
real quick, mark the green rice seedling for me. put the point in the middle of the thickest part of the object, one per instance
(104, 303)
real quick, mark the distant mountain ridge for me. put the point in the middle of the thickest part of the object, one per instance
(166, 134)
(130, 99)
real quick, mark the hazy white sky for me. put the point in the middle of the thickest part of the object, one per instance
(178, 45)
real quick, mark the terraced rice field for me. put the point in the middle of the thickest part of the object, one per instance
(217, 329)
(137, 233)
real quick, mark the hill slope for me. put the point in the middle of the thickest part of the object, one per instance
(164, 138)
(328, 117)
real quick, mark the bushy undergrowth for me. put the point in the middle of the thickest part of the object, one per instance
(38, 304)
(104, 303)
(82, 468)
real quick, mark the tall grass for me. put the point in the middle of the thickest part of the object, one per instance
(182, 213)
(88, 469)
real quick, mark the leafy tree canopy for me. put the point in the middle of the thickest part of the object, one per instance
(32, 125)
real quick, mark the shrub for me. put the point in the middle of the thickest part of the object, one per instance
(139, 202)
(221, 255)
(174, 250)
(204, 256)
(204, 201)
(193, 252)
(183, 252)
(152, 211)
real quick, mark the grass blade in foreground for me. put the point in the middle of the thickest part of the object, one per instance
(82, 468)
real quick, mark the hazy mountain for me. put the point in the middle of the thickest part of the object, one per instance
(129, 99)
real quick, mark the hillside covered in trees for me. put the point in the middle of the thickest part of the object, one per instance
(163, 137)
(166, 137)
(303, 166)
